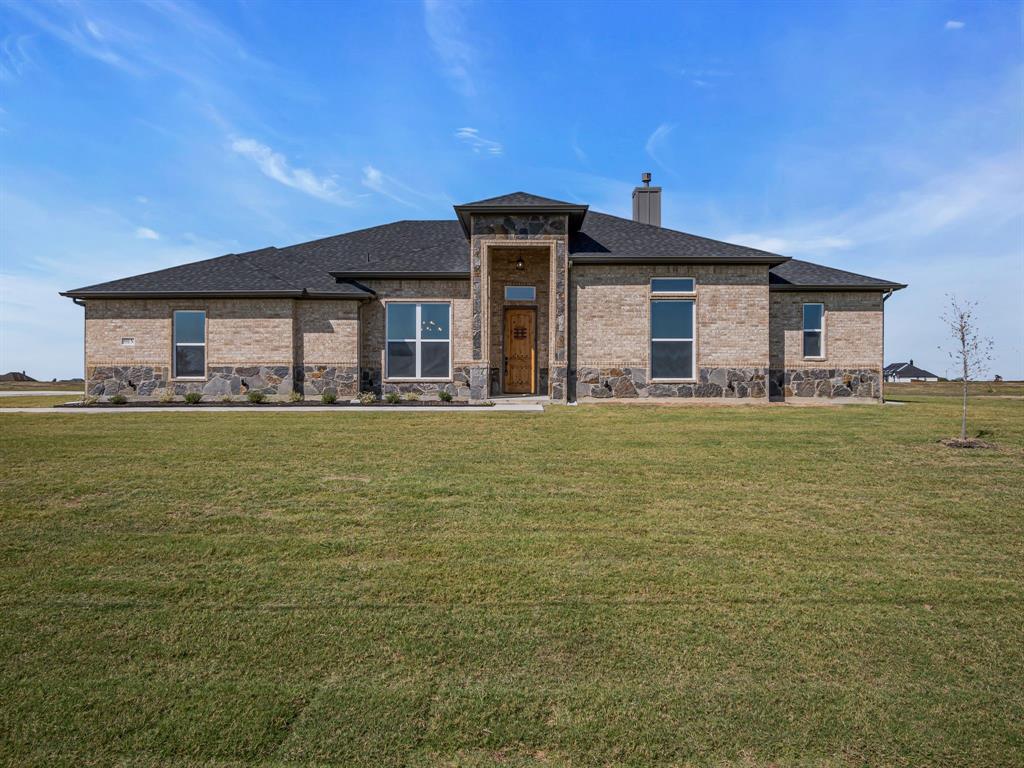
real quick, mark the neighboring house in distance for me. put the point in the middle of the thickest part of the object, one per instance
(904, 372)
(517, 294)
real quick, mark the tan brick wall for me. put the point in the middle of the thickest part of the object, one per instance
(327, 332)
(611, 313)
(853, 329)
(372, 316)
(239, 331)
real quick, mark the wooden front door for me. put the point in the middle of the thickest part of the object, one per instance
(520, 350)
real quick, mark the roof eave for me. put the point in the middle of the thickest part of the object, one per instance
(768, 259)
(276, 294)
(419, 275)
(852, 287)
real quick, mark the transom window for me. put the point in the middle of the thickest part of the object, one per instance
(418, 341)
(189, 344)
(673, 285)
(814, 330)
(520, 293)
(672, 347)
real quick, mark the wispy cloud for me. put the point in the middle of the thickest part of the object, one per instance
(657, 140)
(991, 189)
(15, 57)
(446, 27)
(955, 24)
(276, 166)
(472, 137)
(792, 245)
(71, 25)
(145, 233)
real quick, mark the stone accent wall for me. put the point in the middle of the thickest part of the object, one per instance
(493, 232)
(852, 366)
(340, 380)
(633, 382)
(610, 330)
(826, 382)
(153, 381)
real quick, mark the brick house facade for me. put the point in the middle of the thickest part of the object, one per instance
(519, 294)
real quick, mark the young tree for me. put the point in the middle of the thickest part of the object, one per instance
(971, 351)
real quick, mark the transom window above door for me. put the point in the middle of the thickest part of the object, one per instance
(520, 293)
(419, 339)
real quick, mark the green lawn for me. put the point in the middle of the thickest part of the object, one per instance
(38, 401)
(591, 586)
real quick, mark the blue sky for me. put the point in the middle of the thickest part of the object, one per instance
(884, 138)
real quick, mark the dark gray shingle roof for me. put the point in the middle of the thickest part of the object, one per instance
(520, 200)
(802, 275)
(907, 371)
(255, 273)
(440, 248)
(606, 238)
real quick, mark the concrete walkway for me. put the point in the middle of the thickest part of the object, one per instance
(502, 408)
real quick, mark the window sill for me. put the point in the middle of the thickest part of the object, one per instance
(673, 381)
(418, 381)
(188, 378)
(816, 359)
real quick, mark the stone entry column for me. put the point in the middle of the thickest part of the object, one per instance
(559, 345)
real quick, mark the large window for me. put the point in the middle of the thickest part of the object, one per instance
(419, 341)
(814, 330)
(672, 339)
(189, 344)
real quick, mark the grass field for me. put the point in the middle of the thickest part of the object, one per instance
(599, 585)
(37, 401)
(46, 386)
(955, 389)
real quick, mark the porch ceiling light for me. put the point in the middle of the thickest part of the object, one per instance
(520, 265)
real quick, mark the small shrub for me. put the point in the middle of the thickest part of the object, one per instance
(167, 396)
(295, 397)
(89, 399)
(256, 396)
(329, 397)
(393, 397)
(193, 397)
(227, 399)
(413, 397)
(118, 399)
(445, 396)
(367, 398)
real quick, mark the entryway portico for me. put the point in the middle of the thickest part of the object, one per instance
(519, 261)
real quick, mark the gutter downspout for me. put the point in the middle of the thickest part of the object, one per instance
(881, 379)
(85, 373)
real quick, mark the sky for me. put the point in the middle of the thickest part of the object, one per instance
(882, 138)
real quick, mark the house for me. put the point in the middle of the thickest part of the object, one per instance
(903, 372)
(518, 294)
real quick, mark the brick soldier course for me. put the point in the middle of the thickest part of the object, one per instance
(313, 318)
